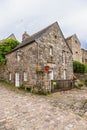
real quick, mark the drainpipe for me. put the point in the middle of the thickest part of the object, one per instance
(37, 60)
(37, 53)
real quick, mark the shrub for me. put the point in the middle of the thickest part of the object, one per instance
(85, 68)
(46, 92)
(40, 91)
(5, 47)
(80, 84)
(35, 90)
(78, 67)
(21, 86)
(86, 82)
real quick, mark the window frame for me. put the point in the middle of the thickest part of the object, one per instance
(51, 50)
(25, 76)
(19, 55)
(10, 76)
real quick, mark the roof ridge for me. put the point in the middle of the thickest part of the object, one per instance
(33, 37)
(70, 37)
(44, 29)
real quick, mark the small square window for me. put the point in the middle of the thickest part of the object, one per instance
(55, 36)
(75, 41)
(76, 52)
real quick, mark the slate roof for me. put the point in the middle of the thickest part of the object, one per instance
(70, 37)
(33, 37)
(37, 35)
(11, 36)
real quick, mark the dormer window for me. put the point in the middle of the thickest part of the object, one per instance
(51, 51)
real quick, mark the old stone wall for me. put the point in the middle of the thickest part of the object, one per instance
(55, 40)
(84, 56)
(2, 70)
(75, 46)
(27, 63)
(81, 77)
(37, 54)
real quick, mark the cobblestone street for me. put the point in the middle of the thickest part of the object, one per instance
(33, 112)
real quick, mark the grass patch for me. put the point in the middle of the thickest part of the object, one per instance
(21, 89)
(11, 87)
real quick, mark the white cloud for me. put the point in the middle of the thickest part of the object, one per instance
(16, 16)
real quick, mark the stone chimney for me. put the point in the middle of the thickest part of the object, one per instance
(25, 36)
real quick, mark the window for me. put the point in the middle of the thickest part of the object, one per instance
(51, 50)
(17, 79)
(64, 74)
(63, 56)
(25, 76)
(75, 41)
(18, 55)
(55, 36)
(76, 52)
(10, 76)
(18, 58)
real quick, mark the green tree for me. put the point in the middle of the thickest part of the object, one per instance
(78, 67)
(5, 47)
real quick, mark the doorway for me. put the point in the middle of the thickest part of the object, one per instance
(17, 79)
(64, 74)
(51, 75)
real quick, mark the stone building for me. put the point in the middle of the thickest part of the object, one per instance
(11, 36)
(84, 56)
(75, 46)
(2, 67)
(40, 58)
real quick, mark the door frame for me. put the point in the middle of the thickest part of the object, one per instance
(51, 72)
(17, 79)
(64, 74)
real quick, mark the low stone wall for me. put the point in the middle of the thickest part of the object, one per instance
(81, 77)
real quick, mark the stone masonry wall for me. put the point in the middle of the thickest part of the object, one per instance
(27, 64)
(75, 46)
(84, 56)
(38, 54)
(2, 70)
(55, 39)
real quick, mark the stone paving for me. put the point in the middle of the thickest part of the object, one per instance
(74, 100)
(33, 112)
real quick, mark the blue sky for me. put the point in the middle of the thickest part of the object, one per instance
(17, 16)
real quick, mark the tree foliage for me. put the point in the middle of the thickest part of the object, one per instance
(85, 68)
(78, 67)
(5, 47)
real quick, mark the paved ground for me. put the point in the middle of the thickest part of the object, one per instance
(32, 112)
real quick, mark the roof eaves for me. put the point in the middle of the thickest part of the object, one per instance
(19, 47)
(64, 38)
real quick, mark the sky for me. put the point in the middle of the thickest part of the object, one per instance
(18, 16)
